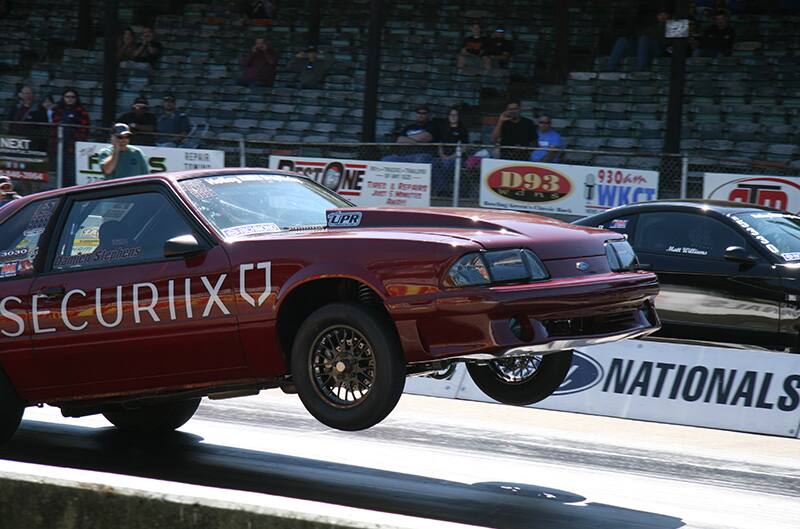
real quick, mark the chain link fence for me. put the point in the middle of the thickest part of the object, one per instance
(42, 156)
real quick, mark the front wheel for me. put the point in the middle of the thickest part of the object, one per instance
(523, 380)
(347, 366)
(11, 409)
(155, 419)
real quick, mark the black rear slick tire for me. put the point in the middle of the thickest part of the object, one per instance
(155, 419)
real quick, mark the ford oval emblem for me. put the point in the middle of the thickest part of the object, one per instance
(584, 373)
(583, 266)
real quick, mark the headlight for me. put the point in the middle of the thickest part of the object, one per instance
(500, 266)
(621, 257)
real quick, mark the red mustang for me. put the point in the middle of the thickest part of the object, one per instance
(134, 298)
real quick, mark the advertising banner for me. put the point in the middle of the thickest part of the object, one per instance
(730, 389)
(779, 192)
(365, 182)
(21, 159)
(159, 159)
(559, 188)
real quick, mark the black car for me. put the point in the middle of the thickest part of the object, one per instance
(729, 272)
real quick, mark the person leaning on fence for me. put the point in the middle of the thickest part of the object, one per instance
(122, 159)
(172, 123)
(452, 131)
(549, 139)
(71, 112)
(141, 121)
(413, 137)
(7, 193)
(22, 110)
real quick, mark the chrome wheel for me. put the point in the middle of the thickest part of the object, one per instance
(342, 366)
(516, 370)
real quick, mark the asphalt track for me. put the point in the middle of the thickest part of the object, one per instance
(473, 463)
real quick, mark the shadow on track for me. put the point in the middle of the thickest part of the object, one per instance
(181, 457)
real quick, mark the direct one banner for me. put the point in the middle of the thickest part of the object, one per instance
(779, 192)
(729, 389)
(365, 182)
(564, 189)
(23, 159)
(159, 159)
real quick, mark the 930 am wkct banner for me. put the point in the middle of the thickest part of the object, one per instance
(563, 189)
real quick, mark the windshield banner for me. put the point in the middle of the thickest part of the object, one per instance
(779, 192)
(713, 387)
(565, 189)
(365, 182)
(159, 159)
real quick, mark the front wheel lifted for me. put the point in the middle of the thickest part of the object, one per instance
(523, 380)
(155, 419)
(347, 366)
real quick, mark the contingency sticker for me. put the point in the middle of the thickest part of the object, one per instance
(10, 255)
(8, 269)
(618, 224)
(792, 256)
(344, 219)
(250, 229)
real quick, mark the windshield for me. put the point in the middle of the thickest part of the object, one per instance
(249, 204)
(778, 232)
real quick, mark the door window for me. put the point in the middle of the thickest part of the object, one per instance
(19, 238)
(118, 230)
(684, 235)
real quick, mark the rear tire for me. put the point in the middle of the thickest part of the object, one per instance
(159, 418)
(347, 366)
(521, 381)
(11, 409)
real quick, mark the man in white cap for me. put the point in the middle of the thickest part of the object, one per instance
(7, 193)
(122, 159)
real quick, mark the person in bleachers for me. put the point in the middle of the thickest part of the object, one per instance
(452, 131)
(149, 50)
(70, 111)
(172, 122)
(513, 130)
(22, 110)
(499, 49)
(259, 9)
(473, 52)
(311, 68)
(652, 42)
(258, 67)
(141, 121)
(548, 138)
(46, 111)
(413, 137)
(7, 194)
(126, 45)
(717, 40)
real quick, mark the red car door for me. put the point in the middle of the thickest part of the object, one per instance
(116, 315)
(19, 249)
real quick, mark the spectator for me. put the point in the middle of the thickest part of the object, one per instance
(499, 50)
(259, 9)
(70, 111)
(122, 159)
(415, 135)
(7, 193)
(149, 50)
(46, 112)
(549, 139)
(171, 121)
(452, 131)
(141, 121)
(473, 51)
(126, 45)
(311, 67)
(651, 43)
(258, 67)
(717, 40)
(513, 130)
(23, 111)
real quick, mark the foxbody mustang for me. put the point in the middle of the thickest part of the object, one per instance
(134, 298)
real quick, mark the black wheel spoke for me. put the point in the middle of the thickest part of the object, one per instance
(342, 366)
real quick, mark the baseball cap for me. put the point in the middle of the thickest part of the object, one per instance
(500, 30)
(5, 179)
(140, 101)
(169, 97)
(120, 129)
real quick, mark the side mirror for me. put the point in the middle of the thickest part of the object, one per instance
(737, 254)
(183, 246)
(644, 267)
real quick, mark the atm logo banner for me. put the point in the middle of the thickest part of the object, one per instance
(769, 191)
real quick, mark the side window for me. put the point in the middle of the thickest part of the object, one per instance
(684, 234)
(118, 231)
(19, 238)
(626, 225)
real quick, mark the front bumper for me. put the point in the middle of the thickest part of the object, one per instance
(520, 320)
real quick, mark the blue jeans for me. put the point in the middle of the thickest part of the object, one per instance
(646, 49)
(442, 174)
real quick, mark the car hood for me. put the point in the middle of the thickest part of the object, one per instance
(549, 238)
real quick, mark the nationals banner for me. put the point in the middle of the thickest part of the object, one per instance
(22, 159)
(560, 188)
(779, 192)
(159, 159)
(365, 182)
